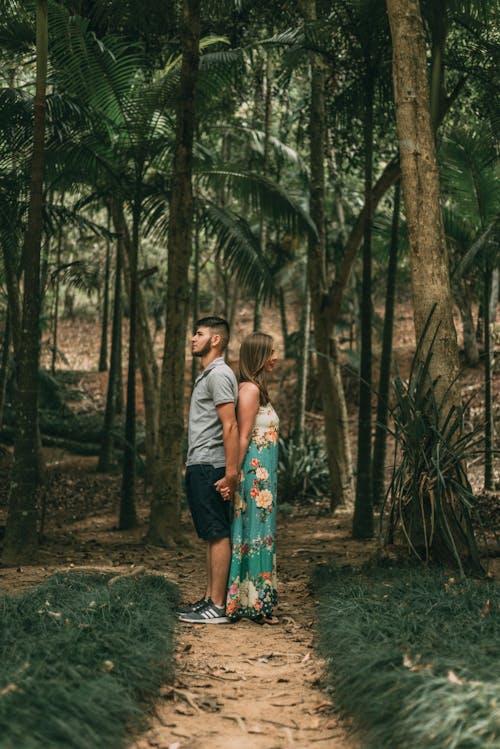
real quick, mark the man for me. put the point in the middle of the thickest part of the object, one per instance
(213, 443)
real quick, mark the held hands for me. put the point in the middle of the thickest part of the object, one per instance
(226, 486)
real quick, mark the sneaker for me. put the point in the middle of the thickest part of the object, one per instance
(189, 607)
(209, 614)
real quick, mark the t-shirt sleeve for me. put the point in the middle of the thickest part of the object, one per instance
(223, 387)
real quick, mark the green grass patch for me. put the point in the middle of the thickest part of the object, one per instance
(413, 657)
(80, 658)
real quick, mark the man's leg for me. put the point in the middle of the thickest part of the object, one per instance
(219, 561)
(208, 592)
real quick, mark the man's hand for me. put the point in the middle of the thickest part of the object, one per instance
(227, 486)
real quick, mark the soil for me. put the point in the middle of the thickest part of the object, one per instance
(239, 685)
(236, 685)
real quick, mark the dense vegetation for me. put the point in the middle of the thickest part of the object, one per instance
(191, 157)
(413, 655)
(81, 657)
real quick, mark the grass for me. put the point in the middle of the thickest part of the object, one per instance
(80, 658)
(413, 656)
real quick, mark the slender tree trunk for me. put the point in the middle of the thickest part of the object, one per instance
(196, 291)
(106, 454)
(119, 399)
(464, 302)
(103, 353)
(268, 90)
(379, 449)
(21, 534)
(4, 363)
(495, 285)
(57, 288)
(145, 350)
(489, 482)
(284, 325)
(428, 253)
(302, 371)
(330, 382)
(167, 490)
(362, 526)
(128, 512)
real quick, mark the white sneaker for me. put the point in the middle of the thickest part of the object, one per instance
(209, 614)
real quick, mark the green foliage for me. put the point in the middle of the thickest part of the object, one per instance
(78, 657)
(302, 470)
(413, 656)
(430, 497)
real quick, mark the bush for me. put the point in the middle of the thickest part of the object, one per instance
(302, 471)
(78, 658)
(413, 656)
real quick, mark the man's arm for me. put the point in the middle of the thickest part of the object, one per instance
(230, 435)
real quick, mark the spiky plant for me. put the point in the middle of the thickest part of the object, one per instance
(430, 499)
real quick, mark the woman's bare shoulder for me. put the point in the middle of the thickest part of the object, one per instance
(248, 387)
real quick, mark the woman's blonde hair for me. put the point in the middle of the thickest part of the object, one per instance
(255, 351)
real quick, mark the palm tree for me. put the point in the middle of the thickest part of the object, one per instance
(21, 534)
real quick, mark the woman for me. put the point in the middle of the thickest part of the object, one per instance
(252, 585)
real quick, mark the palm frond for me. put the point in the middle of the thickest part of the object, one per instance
(261, 195)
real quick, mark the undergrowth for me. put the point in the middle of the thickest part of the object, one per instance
(79, 659)
(413, 656)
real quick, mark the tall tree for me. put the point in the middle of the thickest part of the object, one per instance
(379, 448)
(167, 489)
(21, 534)
(432, 302)
(336, 427)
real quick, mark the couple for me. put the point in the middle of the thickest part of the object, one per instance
(231, 477)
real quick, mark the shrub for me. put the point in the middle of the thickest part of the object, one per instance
(302, 470)
(413, 656)
(78, 658)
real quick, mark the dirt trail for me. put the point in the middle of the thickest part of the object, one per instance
(236, 685)
(244, 685)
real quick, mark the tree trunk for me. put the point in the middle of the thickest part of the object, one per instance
(106, 454)
(57, 288)
(421, 190)
(489, 481)
(432, 301)
(145, 350)
(103, 353)
(196, 294)
(284, 325)
(464, 302)
(128, 512)
(4, 363)
(362, 526)
(495, 285)
(379, 449)
(167, 489)
(302, 371)
(257, 321)
(21, 534)
(330, 382)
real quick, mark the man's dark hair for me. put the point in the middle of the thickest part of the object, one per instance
(218, 325)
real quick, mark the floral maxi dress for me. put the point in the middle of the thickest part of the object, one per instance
(252, 589)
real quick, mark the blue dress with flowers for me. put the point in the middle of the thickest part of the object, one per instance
(252, 588)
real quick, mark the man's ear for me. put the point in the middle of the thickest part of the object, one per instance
(215, 339)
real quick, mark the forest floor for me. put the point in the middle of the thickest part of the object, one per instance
(237, 685)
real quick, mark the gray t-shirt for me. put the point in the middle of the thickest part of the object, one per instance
(217, 384)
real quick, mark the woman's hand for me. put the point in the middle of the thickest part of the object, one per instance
(226, 487)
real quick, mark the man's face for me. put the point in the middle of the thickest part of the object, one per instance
(201, 342)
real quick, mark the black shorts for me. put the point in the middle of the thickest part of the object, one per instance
(211, 514)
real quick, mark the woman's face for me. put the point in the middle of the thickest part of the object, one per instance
(269, 365)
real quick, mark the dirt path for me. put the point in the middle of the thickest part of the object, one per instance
(237, 685)
(244, 685)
